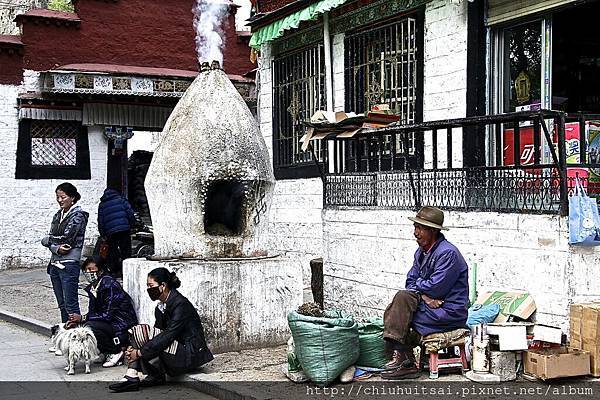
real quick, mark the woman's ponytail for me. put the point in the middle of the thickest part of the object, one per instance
(174, 281)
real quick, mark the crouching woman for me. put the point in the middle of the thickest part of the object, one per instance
(175, 346)
(110, 312)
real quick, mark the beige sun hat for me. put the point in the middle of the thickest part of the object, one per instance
(430, 216)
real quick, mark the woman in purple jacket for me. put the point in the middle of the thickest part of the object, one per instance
(110, 312)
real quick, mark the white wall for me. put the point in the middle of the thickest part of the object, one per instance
(142, 140)
(337, 65)
(367, 254)
(295, 227)
(30, 204)
(445, 73)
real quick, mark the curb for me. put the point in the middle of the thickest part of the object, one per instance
(215, 390)
(211, 388)
(31, 324)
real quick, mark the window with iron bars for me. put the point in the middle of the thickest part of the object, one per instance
(50, 149)
(298, 92)
(382, 67)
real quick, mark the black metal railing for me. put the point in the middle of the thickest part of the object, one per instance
(530, 164)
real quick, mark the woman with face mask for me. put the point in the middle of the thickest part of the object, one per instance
(175, 346)
(65, 242)
(110, 312)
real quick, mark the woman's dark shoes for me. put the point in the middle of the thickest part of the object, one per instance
(128, 385)
(150, 381)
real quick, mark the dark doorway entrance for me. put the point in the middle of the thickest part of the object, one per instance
(576, 59)
(223, 208)
(116, 166)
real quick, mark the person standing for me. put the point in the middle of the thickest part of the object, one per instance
(65, 242)
(115, 220)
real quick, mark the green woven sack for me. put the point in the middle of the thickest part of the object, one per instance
(325, 346)
(372, 346)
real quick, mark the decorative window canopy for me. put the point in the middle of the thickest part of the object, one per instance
(368, 13)
(277, 28)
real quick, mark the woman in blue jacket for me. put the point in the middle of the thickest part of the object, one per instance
(115, 219)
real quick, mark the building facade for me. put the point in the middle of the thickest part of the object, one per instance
(74, 87)
(466, 79)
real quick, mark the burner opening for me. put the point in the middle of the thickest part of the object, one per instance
(223, 208)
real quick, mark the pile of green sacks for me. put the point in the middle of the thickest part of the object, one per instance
(326, 346)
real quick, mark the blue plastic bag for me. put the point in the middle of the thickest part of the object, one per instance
(584, 222)
(482, 314)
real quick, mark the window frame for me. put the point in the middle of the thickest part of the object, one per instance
(25, 170)
(296, 169)
(498, 69)
(414, 21)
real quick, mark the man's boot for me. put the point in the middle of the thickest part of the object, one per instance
(398, 358)
(407, 370)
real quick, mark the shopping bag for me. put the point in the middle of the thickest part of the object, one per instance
(584, 221)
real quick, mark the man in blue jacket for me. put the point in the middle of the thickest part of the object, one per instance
(115, 219)
(435, 298)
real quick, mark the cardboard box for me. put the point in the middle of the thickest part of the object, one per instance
(545, 333)
(584, 327)
(511, 335)
(556, 363)
(516, 304)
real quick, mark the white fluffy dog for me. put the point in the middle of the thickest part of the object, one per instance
(76, 344)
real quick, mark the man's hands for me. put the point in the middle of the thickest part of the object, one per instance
(431, 303)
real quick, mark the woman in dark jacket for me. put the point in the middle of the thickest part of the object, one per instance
(110, 313)
(115, 220)
(175, 346)
(65, 242)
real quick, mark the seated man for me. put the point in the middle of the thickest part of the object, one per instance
(435, 298)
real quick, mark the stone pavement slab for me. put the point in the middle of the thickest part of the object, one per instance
(29, 371)
(29, 359)
(28, 292)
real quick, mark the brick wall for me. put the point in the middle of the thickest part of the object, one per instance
(30, 204)
(11, 64)
(151, 33)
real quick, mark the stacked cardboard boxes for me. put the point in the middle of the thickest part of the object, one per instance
(585, 331)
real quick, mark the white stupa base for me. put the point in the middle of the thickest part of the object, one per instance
(243, 303)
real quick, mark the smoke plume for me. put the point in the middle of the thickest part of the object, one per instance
(210, 38)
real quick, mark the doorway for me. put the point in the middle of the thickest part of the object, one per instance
(576, 59)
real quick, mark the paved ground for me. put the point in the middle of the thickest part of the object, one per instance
(30, 371)
(29, 292)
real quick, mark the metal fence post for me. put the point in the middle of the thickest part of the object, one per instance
(562, 161)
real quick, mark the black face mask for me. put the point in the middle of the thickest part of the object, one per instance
(154, 292)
